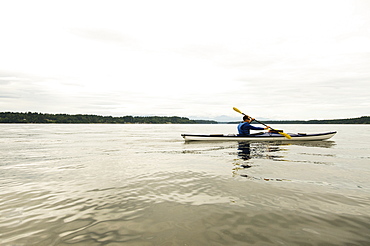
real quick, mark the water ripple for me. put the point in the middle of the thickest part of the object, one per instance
(140, 185)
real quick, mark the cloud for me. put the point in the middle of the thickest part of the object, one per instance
(198, 58)
(105, 35)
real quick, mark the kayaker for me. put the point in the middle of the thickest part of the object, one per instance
(245, 126)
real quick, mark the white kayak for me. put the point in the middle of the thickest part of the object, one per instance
(266, 136)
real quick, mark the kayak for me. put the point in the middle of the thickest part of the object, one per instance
(263, 136)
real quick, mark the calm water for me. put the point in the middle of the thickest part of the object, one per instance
(143, 185)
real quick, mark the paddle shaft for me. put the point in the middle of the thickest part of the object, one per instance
(278, 131)
(237, 110)
(263, 124)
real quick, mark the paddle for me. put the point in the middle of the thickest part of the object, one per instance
(278, 131)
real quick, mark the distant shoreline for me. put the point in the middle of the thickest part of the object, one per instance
(41, 118)
(359, 120)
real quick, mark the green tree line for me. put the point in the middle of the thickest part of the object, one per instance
(30, 117)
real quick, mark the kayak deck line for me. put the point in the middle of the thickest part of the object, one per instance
(267, 136)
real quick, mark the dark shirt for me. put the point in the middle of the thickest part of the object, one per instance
(244, 128)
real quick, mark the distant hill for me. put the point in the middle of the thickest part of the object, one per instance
(360, 120)
(29, 117)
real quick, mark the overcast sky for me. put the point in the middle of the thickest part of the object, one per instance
(197, 59)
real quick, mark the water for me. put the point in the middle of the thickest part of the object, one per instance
(143, 185)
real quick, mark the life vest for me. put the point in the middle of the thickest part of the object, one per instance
(246, 130)
(243, 131)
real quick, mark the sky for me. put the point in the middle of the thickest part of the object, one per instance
(271, 59)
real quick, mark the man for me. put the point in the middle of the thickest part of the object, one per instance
(245, 127)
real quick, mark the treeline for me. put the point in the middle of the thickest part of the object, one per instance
(29, 117)
(360, 120)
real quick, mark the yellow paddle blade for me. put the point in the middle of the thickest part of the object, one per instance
(285, 135)
(237, 110)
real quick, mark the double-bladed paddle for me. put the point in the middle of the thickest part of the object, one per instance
(278, 131)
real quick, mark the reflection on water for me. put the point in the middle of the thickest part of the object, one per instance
(247, 150)
(275, 151)
(318, 144)
(265, 150)
(256, 150)
(251, 154)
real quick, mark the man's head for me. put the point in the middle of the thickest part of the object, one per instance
(246, 118)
